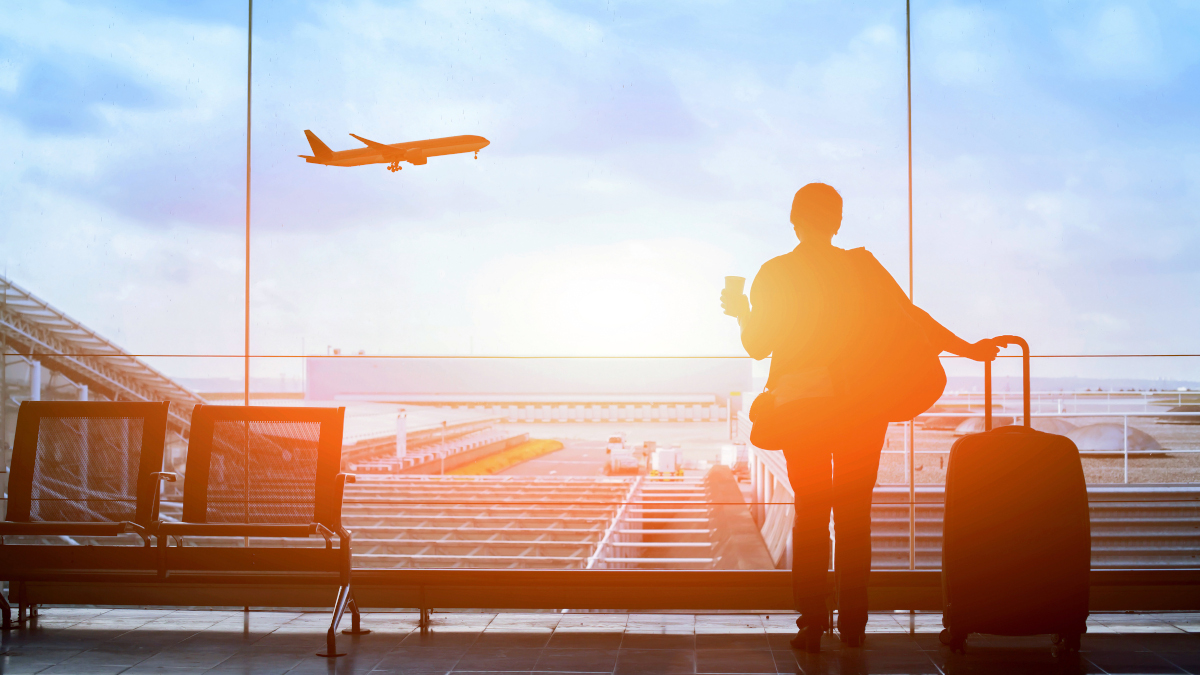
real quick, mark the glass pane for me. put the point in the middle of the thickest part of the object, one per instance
(544, 463)
(561, 463)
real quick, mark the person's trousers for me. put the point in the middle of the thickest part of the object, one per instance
(834, 470)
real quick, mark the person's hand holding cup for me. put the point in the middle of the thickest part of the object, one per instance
(733, 298)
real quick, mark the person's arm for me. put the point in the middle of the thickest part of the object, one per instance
(756, 332)
(939, 336)
(757, 319)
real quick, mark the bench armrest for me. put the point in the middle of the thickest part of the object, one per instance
(134, 528)
(159, 476)
(70, 529)
(235, 529)
(342, 479)
(326, 533)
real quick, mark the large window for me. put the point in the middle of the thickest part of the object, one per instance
(637, 155)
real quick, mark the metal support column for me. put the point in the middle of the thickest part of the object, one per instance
(35, 381)
(909, 441)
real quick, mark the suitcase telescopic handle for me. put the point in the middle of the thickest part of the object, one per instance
(1005, 341)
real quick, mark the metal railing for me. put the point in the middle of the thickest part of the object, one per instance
(772, 505)
(617, 530)
(1133, 525)
(1125, 451)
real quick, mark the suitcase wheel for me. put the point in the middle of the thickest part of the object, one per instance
(956, 643)
(1068, 642)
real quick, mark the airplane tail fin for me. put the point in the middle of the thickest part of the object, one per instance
(319, 149)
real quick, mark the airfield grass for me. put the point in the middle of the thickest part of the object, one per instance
(506, 458)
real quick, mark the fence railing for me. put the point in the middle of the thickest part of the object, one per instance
(618, 532)
(774, 502)
(1141, 526)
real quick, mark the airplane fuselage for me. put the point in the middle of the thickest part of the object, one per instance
(415, 152)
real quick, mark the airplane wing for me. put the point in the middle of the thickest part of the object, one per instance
(382, 147)
(416, 152)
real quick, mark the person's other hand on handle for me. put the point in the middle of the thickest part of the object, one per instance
(735, 304)
(984, 350)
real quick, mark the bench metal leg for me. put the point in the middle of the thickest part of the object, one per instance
(423, 623)
(6, 622)
(21, 602)
(339, 608)
(355, 628)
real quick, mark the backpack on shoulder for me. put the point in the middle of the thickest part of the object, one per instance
(886, 367)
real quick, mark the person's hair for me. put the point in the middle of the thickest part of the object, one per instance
(820, 205)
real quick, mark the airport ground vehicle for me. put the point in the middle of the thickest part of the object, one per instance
(621, 456)
(667, 461)
(736, 456)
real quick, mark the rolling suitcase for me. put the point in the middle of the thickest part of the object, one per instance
(1016, 542)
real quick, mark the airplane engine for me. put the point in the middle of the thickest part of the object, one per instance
(415, 156)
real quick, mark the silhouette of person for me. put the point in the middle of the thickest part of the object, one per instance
(802, 318)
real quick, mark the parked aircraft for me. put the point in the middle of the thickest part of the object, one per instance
(415, 152)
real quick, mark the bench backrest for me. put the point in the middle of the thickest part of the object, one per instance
(86, 461)
(263, 464)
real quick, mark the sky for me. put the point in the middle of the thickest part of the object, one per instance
(639, 153)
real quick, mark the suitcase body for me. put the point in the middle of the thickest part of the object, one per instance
(1016, 543)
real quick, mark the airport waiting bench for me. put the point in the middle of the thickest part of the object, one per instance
(87, 470)
(93, 469)
(259, 472)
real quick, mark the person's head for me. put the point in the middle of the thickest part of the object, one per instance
(816, 212)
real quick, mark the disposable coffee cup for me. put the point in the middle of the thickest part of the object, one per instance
(735, 285)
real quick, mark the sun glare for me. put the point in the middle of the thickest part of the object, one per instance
(635, 297)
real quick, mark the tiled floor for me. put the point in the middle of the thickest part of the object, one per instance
(81, 641)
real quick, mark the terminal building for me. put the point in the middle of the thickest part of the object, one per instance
(550, 389)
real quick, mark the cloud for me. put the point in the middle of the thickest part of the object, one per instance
(964, 45)
(74, 98)
(1117, 41)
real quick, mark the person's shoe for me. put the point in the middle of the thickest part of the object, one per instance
(808, 639)
(853, 638)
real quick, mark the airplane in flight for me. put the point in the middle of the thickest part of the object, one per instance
(415, 152)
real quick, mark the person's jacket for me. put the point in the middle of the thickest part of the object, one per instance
(814, 307)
